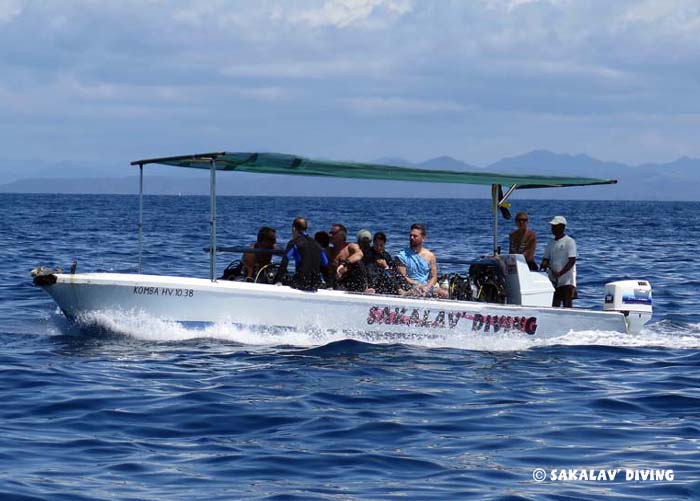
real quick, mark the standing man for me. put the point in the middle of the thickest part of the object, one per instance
(418, 265)
(560, 261)
(308, 258)
(523, 240)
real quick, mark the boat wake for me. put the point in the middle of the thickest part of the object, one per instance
(664, 334)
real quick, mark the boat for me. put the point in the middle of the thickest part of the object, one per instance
(518, 304)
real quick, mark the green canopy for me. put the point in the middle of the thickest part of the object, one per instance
(280, 163)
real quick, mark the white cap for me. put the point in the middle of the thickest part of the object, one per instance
(364, 234)
(558, 220)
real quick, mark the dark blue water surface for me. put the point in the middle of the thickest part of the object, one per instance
(143, 409)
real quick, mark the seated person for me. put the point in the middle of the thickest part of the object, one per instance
(344, 258)
(308, 258)
(418, 265)
(364, 239)
(324, 240)
(376, 256)
(354, 275)
(380, 266)
(254, 262)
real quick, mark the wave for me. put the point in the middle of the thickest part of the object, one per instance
(658, 335)
(664, 334)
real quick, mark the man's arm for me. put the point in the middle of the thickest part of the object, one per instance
(282, 270)
(354, 254)
(388, 259)
(569, 264)
(401, 268)
(545, 259)
(432, 278)
(249, 263)
(571, 253)
(512, 248)
(529, 251)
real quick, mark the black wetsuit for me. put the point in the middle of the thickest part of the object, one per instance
(382, 280)
(355, 278)
(370, 258)
(308, 257)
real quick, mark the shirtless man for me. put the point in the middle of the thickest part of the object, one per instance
(418, 265)
(252, 263)
(342, 255)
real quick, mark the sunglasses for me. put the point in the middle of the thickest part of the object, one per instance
(521, 220)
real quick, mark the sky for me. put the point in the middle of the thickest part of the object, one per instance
(109, 81)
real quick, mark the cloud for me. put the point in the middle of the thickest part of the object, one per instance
(9, 9)
(345, 13)
(425, 73)
(511, 5)
(362, 14)
(306, 68)
(680, 13)
(392, 106)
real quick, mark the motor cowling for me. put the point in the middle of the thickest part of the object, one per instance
(633, 298)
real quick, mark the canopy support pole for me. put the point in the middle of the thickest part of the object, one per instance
(212, 220)
(508, 193)
(140, 218)
(494, 210)
(497, 203)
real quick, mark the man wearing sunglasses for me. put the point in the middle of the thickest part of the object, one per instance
(523, 240)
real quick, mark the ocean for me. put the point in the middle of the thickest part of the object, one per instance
(140, 408)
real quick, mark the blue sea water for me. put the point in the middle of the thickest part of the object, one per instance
(143, 409)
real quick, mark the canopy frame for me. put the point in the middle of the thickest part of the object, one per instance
(278, 163)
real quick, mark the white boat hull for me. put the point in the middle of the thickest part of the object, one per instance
(201, 301)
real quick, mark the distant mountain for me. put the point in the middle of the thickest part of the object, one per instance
(546, 163)
(447, 163)
(677, 180)
(439, 163)
(401, 162)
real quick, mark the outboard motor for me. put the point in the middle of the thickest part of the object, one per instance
(633, 299)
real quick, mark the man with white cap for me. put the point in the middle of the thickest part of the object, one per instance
(560, 262)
